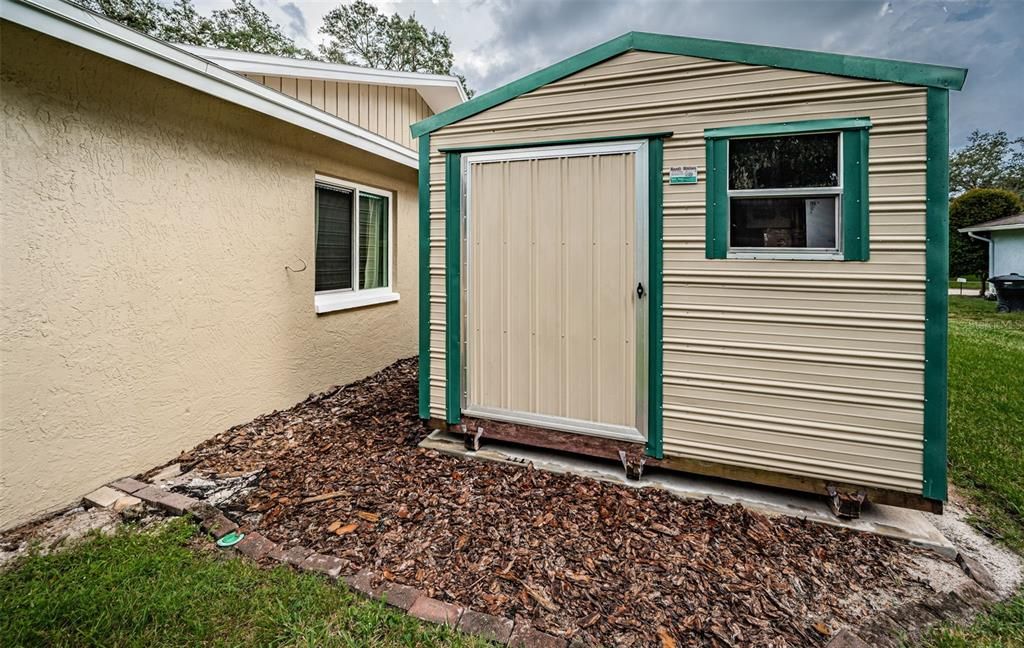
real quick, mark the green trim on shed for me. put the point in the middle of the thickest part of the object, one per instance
(424, 275)
(920, 74)
(560, 142)
(655, 295)
(854, 131)
(789, 128)
(936, 294)
(453, 285)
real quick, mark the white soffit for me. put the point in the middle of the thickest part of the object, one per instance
(441, 92)
(93, 32)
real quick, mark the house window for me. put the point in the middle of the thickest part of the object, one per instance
(788, 191)
(353, 246)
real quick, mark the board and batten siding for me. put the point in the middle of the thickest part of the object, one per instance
(385, 110)
(812, 368)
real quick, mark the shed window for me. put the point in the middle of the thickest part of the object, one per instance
(353, 246)
(788, 194)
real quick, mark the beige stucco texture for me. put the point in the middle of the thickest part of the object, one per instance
(145, 303)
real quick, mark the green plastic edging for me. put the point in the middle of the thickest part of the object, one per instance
(424, 276)
(920, 74)
(453, 285)
(936, 295)
(656, 349)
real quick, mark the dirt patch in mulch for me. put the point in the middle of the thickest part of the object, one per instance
(598, 562)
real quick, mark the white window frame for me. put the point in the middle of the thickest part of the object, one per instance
(791, 253)
(328, 301)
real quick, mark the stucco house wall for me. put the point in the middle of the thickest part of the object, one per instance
(144, 300)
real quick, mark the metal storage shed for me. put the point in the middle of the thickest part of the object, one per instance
(721, 258)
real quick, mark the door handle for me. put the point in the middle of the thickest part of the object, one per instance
(640, 290)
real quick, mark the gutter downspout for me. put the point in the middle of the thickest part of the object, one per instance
(991, 259)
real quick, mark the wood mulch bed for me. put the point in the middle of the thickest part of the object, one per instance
(586, 560)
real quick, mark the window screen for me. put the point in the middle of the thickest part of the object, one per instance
(333, 239)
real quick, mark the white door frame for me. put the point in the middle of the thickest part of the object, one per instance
(639, 148)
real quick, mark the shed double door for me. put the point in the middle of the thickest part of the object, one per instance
(555, 323)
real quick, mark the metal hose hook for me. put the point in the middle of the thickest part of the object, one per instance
(291, 269)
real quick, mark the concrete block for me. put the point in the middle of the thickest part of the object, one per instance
(202, 510)
(292, 555)
(400, 596)
(173, 503)
(525, 636)
(103, 497)
(126, 502)
(254, 546)
(435, 611)
(218, 526)
(488, 626)
(128, 485)
(323, 564)
(363, 583)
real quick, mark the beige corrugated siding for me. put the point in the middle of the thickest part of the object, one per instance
(805, 367)
(552, 318)
(385, 110)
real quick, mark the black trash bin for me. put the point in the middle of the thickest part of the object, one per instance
(1010, 292)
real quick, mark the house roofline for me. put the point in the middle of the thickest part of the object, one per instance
(440, 91)
(992, 228)
(921, 74)
(88, 30)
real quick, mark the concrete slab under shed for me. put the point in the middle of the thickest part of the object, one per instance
(903, 524)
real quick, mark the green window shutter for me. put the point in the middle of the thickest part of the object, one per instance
(855, 194)
(716, 242)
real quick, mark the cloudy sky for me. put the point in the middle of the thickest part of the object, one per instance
(497, 41)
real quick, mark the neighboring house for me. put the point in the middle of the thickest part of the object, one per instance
(1005, 239)
(729, 258)
(185, 247)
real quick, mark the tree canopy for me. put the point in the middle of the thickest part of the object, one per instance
(969, 256)
(356, 34)
(988, 161)
(359, 34)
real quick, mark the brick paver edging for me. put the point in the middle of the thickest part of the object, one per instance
(882, 630)
(255, 546)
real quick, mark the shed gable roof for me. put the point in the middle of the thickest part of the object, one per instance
(921, 74)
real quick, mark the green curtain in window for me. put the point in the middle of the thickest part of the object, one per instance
(373, 241)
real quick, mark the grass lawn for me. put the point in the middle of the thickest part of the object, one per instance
(986, 445)
(154, 589)
(972, 286)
